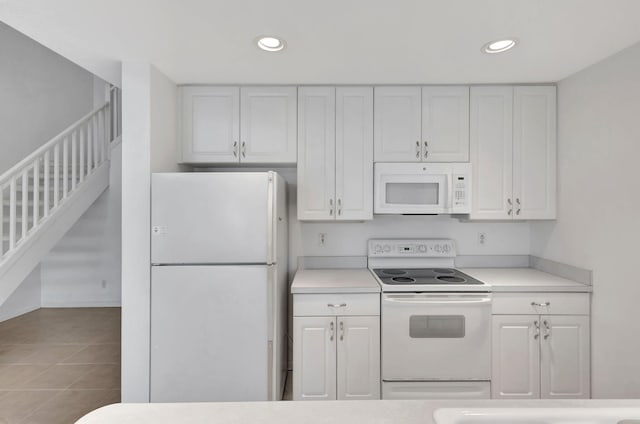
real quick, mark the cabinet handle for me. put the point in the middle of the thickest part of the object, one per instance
(547, 330)
(541, 304)
(341, 331)
(537, 335)
(244, 149)
(235, 149)
(332, 331)
(518, 203)
(336, 305)
(510, 211)
(330, 207)
(339, 206)
(426, 149)
(418, 150)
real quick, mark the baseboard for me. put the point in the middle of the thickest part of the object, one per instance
(19, 312)
(83, 304)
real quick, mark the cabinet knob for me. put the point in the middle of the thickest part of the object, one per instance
(331, 331)
(537, 333)
(235, 149)
(244, 149)
(426, 149)
(341, 330)
(518, 208)
(417, 149)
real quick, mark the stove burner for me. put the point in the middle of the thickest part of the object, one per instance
(403, 280)
(450, 279)
(394, 271)
(443, 271)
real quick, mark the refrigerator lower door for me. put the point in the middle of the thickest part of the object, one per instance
(209, 333)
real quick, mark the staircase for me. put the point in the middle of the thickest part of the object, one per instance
(42, 196)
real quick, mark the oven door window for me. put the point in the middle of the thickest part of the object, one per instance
(436, 326)
(413, 193)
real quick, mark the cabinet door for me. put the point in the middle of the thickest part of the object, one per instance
(354, 153)
(358, 357)
(445, 124)
(534, 152)
(210, 124)
(397, 124)
(565, 357)
(515, 357)
(491, 152)
(268, 124)
(314, 358)
(316, 153)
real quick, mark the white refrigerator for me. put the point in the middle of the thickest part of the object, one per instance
(218, 286)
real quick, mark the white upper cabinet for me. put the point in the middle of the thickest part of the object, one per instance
(513, 152)
(268, 124)
(397, 128)
(534, 152)
(445, 124)
(316, 153)
(491, 148)
(241, 125)
(335, 153)
(354, 153)
(210, 124)
(422, 124)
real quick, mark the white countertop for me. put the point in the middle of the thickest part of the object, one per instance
(334, 412)
(524, 280)
(334, 281)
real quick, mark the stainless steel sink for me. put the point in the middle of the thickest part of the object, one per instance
(537, 416)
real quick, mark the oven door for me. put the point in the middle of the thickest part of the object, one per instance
(401, 189)
(429, 336)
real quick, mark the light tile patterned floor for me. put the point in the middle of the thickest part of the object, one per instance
(58, 364)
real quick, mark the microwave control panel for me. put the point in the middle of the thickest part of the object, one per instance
(461, 187)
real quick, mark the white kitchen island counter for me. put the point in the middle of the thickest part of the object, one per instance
(334, 281)
(347, 412)
(524, 280)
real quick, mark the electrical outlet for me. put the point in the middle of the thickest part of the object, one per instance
(482, 238)
(322, 239)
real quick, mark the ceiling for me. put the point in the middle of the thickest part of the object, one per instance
(332, 41)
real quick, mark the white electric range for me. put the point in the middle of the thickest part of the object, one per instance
(436, 322)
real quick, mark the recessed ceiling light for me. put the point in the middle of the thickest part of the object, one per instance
(499, 46)
(270, 43)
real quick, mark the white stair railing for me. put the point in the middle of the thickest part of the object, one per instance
(35, 188)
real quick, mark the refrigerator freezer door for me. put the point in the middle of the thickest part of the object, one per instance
(210, 218)
(209, 333)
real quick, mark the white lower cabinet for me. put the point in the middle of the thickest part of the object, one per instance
(336, 356)
(541, 356)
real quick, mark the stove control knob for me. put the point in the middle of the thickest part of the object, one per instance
(387, 248)
(377, 248)
(422, 248)
(437, 248)
(446, 248)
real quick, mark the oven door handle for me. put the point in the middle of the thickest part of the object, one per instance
(439, 300)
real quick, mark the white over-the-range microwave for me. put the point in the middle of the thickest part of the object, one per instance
(422, 188)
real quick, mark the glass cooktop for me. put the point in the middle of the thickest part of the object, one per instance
(428, 276)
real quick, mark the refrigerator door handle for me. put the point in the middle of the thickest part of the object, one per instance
(271, 216)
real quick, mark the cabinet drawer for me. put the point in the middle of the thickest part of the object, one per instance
(336, 304)
(541, 303)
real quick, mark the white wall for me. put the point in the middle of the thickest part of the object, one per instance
(598, 223)
(164, 114)
(84, 269)
(25, 299)
(148, 140)
(42, 94)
